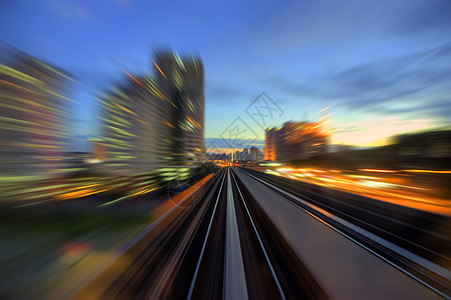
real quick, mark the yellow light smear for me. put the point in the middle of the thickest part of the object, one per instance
(429, 171)
(83, 187)
(81, 193)
(18, 86)
(125, 109)
(378, 171)
(421, 202)
(143, 191)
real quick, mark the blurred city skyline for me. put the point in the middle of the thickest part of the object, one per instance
(295, 149)
(382, 67)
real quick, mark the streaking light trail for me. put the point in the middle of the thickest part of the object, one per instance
(158, 68)
(133, 78)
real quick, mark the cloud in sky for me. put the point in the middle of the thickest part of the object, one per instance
(378, 82)
(378, 131)
(367, 59)
(69, 10)
(387, 58)
(408, 88)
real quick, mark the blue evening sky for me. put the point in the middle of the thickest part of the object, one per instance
(383, 67)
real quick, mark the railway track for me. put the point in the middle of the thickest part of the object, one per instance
(392, 233)
(224, 245)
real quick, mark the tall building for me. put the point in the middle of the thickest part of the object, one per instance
(254, 154)
(98, 151)
(241, 155)
(270, 145)
(273, 144)
(181, 81)
(33, 133)
(295, 141)
(156, 124)
(132, 127)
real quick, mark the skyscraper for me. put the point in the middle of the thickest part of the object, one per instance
(156, 123)
(33, 133)
(273, 144)
(254, 154)
(181, 81)
(294, 141)
(132, 127)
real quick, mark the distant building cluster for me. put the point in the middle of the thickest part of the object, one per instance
(155, 123)
(295, 141)
(33, 117)
(251, 155)
(218, 157)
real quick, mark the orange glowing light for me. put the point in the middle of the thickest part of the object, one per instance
(81, 193)
(75, 247)
(133, 78)
(429, 171)
(19, 87)
(125, 109)
(142, 121)
(177, 199)
(169, 124)
(194, 122)
(377, 189)
(378, 171)
(158, 68)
